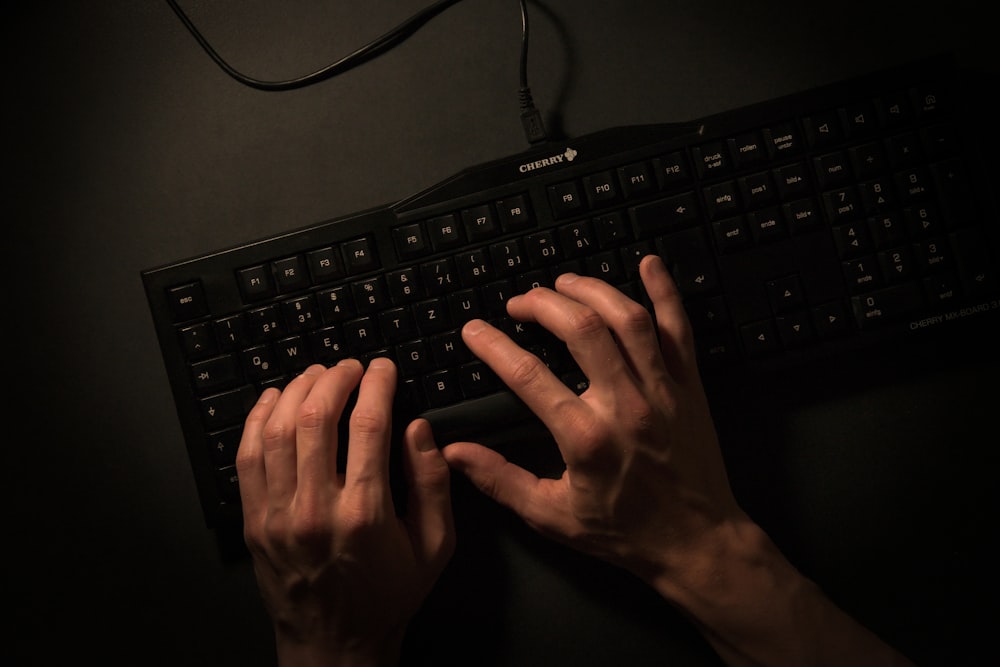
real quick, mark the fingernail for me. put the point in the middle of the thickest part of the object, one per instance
(269, 396)
(568, 278)
(379, 362)
(474, 327)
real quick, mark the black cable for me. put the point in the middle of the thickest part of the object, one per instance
(370, 50)
(524, 44)
(531, 118)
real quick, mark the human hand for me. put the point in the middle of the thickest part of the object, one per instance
(340, 573)
(645, 484)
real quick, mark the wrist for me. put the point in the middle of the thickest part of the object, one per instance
(741, 592)
(755, 607)
(732, 561)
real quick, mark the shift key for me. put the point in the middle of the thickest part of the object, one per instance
(886, 305)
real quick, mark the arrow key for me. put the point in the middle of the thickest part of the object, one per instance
(795, 329)
(760, 338)
(830, 319)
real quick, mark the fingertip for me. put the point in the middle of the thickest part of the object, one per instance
(269, 396)
(473, 327)
(654, 266)
(566, 279)
(380, 363)
(467, 457)
(419, 432)
(453, 455)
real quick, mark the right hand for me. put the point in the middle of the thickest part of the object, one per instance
(645, 486)
(645, 482)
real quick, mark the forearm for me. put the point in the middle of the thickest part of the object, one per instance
(755, 608)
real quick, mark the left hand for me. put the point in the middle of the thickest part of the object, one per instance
(340, 573)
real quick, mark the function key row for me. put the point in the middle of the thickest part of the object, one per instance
(470, 225)
(615, 186)
(297, 272)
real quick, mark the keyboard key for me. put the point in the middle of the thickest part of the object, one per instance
(290, 274)
(187, 302)
(760, 338)
(360, 256)
(782, 139)
(214, 374)
(636, 180)
(665, 215)
(228, 408)
(256, 282)
(444, 232)
(712, 159)
(480, 223)
(325, 265)
(601, 189)
(565, 199)
(888, 305)
(411, 241)
(672, 170)
(514, 213)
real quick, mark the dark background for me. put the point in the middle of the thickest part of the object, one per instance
(127, 148)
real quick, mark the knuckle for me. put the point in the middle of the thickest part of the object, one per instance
(636, 318)
(587, 322)
(642, 419)
(308, 527)
(247, 459)
(256, 419)
(253, 536)
(274, 530)
(591, 437)
(367, 422)
(357, 519)
(274, 434)
(310, 415)
(527, 370)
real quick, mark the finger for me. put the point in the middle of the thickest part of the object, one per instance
(429, 517)
(582, 328)
(528, 377)
(631, 323)
(676, 337)
(533, 499)
(371, 422)
(279, 439)
(317, 427)
(250, 459)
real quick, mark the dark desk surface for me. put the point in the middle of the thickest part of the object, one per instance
(127, 148)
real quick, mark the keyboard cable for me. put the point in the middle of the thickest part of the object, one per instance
(531, 118)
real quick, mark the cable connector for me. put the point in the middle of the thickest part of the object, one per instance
(531, 119)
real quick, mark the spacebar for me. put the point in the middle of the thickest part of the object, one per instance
(490, 420)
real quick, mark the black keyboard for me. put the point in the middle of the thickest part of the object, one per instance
(850, 216)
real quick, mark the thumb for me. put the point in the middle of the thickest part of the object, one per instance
(508, 484)
(429, 518)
